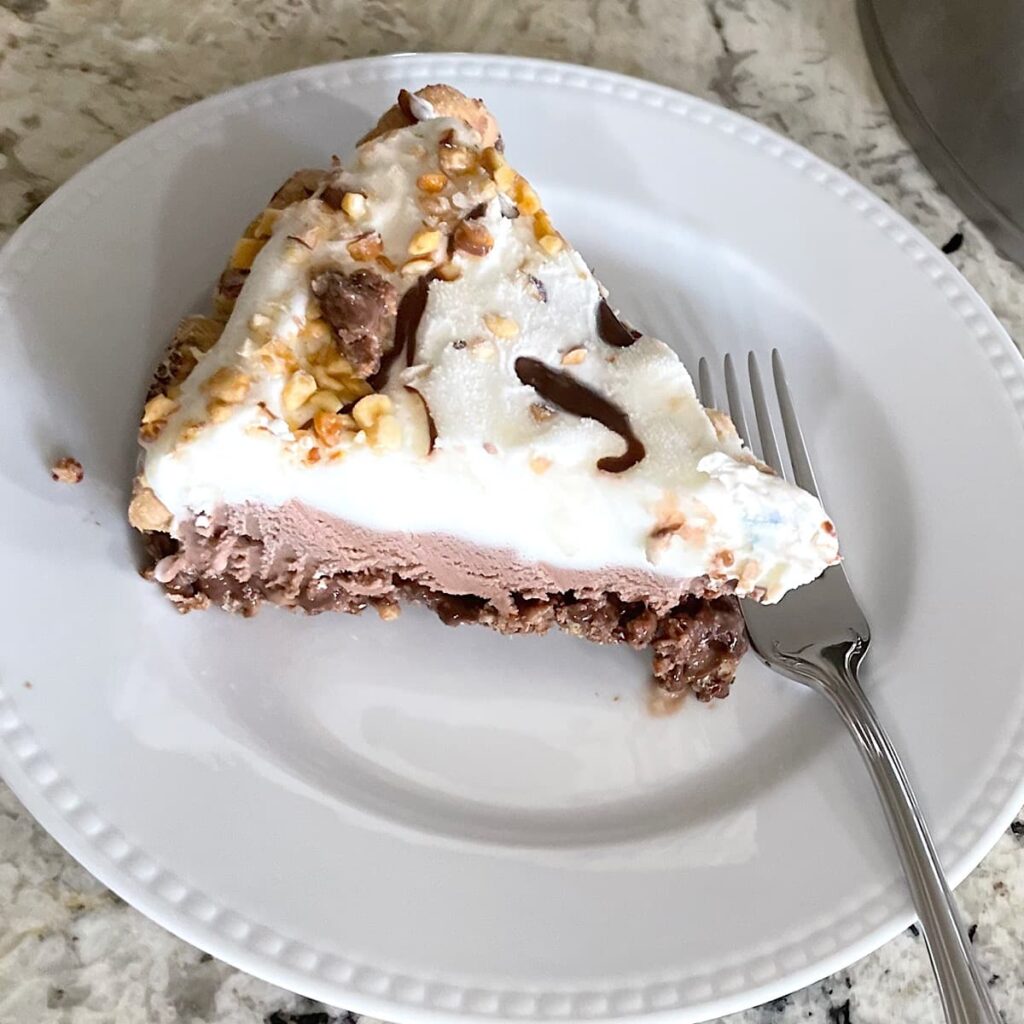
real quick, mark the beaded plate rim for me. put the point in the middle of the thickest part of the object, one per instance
(121, 864)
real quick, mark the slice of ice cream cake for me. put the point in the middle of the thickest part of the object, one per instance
(413, 387)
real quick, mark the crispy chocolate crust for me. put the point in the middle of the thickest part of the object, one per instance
(241, 558)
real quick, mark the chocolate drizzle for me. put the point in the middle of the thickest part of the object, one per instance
(431, 425)
(332, 196)
(407, 324)
(611, 330)
(563, 390)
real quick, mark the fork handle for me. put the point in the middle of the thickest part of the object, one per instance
(962, 989)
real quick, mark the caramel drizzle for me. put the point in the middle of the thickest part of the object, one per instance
(611, 330)
(407, 323)
(564, 391)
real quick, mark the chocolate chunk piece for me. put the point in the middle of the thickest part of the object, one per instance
(360, 307)
(332, 196)
(611, 329)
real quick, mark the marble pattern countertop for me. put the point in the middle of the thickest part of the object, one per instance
(76, 76)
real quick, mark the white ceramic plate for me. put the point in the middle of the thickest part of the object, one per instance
(424, 823)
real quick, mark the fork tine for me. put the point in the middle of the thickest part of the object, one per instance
(765, 430)
(802, 472)
(732, 390)
(707, 391)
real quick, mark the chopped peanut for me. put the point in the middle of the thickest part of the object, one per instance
(526, 199)
(219, 411)
(434, 207)
(448, 272)
(354, 388)
(275, 358)
(146, 511)
(492, 159)
(501, 326)
(354, 205)
(366, 247)
(504, 178)
(315, 330)
(325, 401)
(341, 366)
(329, 427)
(542, 224)
(455, 160)
(547, 237)
(424, 241)
(432, 182)
(551, 244)
(299, 387)
(417, 265)
(368, 410)
(385, 433)
(574, 356)
(158, 408)
(472, 238)
(486, 190)
(190, 431)
(482, 350)
(387, 610)
(227, 384)
(326, 380)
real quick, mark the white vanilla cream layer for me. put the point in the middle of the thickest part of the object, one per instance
(503, 474)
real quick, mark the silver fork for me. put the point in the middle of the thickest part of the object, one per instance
(818, 636)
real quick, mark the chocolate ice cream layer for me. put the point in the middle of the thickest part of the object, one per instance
(298, 558)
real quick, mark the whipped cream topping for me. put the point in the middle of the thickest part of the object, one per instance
(502, 468)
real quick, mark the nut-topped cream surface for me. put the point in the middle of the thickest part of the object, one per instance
(380, 322)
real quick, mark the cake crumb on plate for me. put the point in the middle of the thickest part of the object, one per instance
(67, 470)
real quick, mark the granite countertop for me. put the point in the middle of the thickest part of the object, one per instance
(76, 76)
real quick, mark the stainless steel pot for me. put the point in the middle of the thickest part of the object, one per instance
(953, 74)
